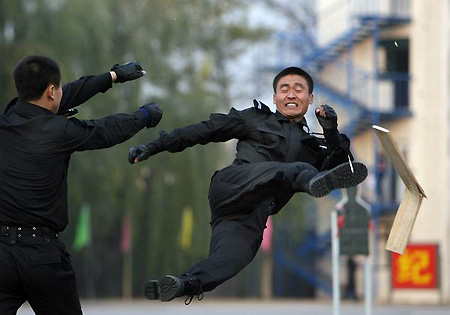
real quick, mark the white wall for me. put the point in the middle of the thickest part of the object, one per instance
(429, 132)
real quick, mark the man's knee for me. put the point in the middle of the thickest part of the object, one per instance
(239, 254)
(302, 166)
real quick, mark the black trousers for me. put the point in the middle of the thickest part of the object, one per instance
(240, 200)
(39, 272)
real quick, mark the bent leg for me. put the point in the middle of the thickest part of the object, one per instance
(234, 243)
(239, 188)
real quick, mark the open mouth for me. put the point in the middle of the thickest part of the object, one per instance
(291, 105)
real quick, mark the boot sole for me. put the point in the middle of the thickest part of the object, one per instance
(339, 177)
(151, 290)
(169, 288)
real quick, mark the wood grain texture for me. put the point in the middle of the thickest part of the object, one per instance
(412, 199)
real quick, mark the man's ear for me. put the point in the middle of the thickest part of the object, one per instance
(311, 99)
(50, 91)
(273, 99)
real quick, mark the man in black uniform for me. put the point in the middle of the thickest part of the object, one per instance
(35, 148)
(276, 157)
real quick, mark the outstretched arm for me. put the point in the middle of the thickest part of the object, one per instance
(81, 135)
(79, 91)
(219, 128)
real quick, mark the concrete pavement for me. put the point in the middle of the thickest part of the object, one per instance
(244, 307)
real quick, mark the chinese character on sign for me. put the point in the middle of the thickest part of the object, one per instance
(416, 268)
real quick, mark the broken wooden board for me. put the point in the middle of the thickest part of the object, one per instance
(412, 199)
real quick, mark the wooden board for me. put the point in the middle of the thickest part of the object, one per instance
(404, 222)
(412, 199)
(397, 160)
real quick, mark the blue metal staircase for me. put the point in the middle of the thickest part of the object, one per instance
(361, 117)
(365, 27)
(303, 262)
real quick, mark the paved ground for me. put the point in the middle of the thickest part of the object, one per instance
(244, 307)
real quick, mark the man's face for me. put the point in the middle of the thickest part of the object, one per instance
(292, 96)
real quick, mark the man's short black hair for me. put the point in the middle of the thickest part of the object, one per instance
(297, 71)
(33, 74)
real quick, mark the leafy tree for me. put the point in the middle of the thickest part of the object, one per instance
(185, 46)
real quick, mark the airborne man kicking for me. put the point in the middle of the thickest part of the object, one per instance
(276, 157)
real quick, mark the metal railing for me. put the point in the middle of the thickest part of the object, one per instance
(342, 15)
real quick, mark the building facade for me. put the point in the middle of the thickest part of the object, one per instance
(387, 63)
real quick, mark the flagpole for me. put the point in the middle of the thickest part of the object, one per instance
(127, 253)
(91, 261)
(127, 275)
(83, 239)
(267, 267)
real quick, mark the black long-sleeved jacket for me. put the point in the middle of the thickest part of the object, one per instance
(35, 148)
(263, 136)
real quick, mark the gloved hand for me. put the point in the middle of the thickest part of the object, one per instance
(153, 113)
(327, 117)
(142, 152)
(128, 71)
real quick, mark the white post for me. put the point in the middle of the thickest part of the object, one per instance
(335, 261)
(368, 285)
(368, 277)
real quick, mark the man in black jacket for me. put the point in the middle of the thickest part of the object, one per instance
(276, 157)
(35, 148)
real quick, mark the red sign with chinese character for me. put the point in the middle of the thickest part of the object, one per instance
(416, 268)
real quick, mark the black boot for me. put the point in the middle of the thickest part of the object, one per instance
(342, 176)
(169, 287)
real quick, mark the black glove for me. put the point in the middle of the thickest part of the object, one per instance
(153, 113)
(128, 71)
(142, 152)
(329, 122)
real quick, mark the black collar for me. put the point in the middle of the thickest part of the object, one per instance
(28, 109)
(280, 117)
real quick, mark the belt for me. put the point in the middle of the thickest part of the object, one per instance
(15, 233)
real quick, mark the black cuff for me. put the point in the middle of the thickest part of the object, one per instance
(106, 78)
(332, 136)
(158, 144)
(143, 117)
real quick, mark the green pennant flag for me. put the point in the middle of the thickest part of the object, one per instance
(187, 225)
(83, 231)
